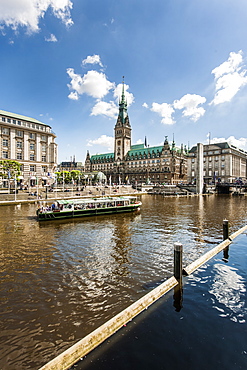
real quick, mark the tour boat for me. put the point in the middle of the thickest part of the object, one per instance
(71, 208)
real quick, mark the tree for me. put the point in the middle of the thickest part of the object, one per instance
(9, 168)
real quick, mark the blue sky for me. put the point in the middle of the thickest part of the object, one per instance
(184, 62)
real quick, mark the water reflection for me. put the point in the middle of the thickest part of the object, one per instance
(228, 289)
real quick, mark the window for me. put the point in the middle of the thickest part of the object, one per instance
(5, 154)
(5, 142)
(19, 144)
(19, 123)
(19, 155)
(31, 135)
(19, 133)
(223, 173)
(32, 146)
(31, 157)
(32, 168)
(222, 157)
(8, 120)
(44, 169)
(5, 131)
(14, 121)
(43, 137)
(3, 119)
(43, 148)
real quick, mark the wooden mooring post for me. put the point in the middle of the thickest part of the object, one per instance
(225, 229)
(178, 260)
(225, 237)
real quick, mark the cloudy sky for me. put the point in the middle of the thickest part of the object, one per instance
(184, 62)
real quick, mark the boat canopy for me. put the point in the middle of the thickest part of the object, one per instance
(95, 200)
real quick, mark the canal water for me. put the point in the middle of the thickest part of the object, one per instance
(60, 280)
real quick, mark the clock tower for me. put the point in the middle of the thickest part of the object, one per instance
(122, 129)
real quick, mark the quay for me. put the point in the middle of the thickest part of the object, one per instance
(82, 348)
(31, 196)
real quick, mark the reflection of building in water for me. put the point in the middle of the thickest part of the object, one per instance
(122, 244)
(229, 290)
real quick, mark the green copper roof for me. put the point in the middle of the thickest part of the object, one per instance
(20, 117)
(102, 156)
(140, 150)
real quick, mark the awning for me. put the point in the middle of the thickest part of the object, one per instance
(20, 178)
(32, 178)
(44, 178)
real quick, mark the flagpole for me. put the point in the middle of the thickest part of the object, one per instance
(15, 188)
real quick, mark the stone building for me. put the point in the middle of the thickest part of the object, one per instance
(32, 144)
(138, 163)
(221, 162)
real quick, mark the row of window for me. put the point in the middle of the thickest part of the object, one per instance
(210, 159)
(20, 133)
(19, 156)
(26, 124)
(211, 173)
(19, 145)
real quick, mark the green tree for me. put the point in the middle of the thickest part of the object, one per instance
(9, 168)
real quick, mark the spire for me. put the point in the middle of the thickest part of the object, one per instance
(173, 143)
(123, 106)
(123, 97)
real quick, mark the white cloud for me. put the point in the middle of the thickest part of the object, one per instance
(240, 143)
(189, 103)
(92, 59)
(118, 93)
(103, 140)
(145, 105)
(27, 13)
(51, 38)
(230, 76)
(165, 111)
(103, 108)
(93, 83)
(73, 96)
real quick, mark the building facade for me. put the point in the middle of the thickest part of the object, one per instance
(221, 162)
(32, 144)
(138, 163)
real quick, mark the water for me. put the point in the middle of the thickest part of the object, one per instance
(60, 280)
(208, 330)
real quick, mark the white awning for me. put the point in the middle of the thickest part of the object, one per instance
(44, 178)
(20, 178)
(32, 178)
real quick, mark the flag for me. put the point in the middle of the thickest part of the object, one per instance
(145, 143)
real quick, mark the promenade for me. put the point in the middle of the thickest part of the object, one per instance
(31, 196)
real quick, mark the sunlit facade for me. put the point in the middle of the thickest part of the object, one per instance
(32, 144)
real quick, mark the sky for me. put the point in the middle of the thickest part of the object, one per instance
(184, 64)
